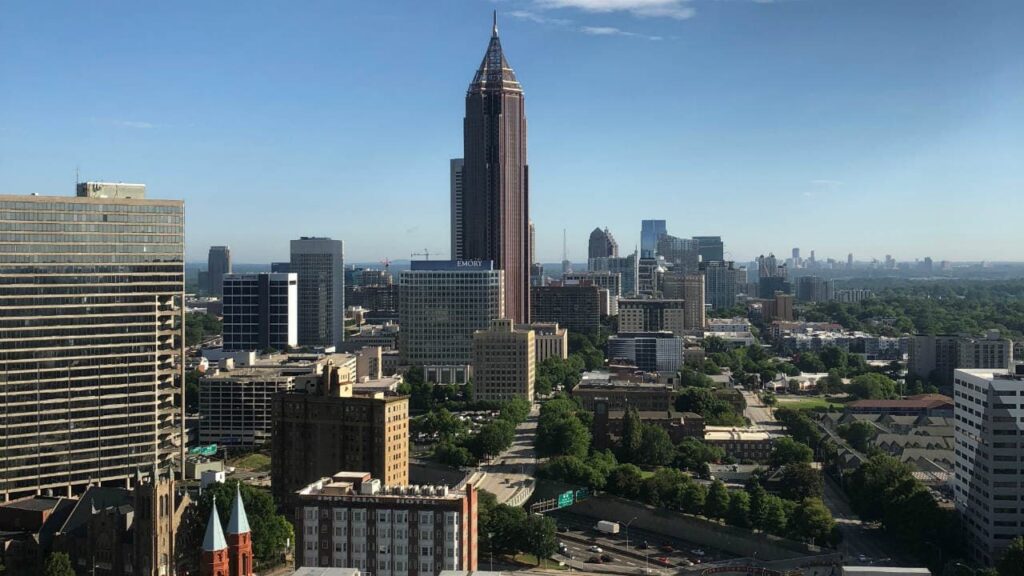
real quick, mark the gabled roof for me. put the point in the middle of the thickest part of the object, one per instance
(214, 538)
(495, 73)
(238, 523)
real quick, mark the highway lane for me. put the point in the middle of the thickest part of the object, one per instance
(507, 475)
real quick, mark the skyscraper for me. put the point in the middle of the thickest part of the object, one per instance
(218, 263)
(319, 264)
(496, 177)
(602, 244)
(260, 311)
(91, 338)
(650, 231)
(711, 248)
(456, 167)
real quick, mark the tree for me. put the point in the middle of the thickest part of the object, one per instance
(626, 480)
(695, 455)
(788, 451)
(758, 505)
(191, 391)
(691, 497)
(800, 481)
(632, 436)
(799, 426)
(809, 362)
(717, 503)
(859, 434)
(567, 436)
(656, 447)
(504, 528)
(58, 564)
(739, 509)
(689, 377)
(451, 454)
(1011, 563)
(775, 519)
(538, 537)
(270, 531)
(572, 470)
(515, 411)
(200, 326)
(872, 386)
(812, 521)
(493, 438)
(446, 425)
(831, 384)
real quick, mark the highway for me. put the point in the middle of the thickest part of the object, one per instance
(510, 475)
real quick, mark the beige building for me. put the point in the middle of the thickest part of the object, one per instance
(550, 340)
(503, 362)
(991, 352)
(92, 338)
(322, 427)
(652, 315)
(690, 289)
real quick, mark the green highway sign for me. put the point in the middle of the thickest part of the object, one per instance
(565, 499)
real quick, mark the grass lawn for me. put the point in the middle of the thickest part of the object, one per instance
(531, 560)
(807, 403)
(254, 462)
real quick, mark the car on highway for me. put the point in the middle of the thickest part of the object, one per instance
(697, 552)
(685, 562)
(594, 560)
(663, 561)
(643, 545)
(667, 548)
(594, 548)
(607, 558)
(563, 529)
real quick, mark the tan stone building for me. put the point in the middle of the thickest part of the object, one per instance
(322, 427)
(503, 362)
(550, 340)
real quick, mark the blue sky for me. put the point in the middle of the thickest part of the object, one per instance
(871, 126)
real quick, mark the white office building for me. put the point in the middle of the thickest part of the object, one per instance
(989, 476)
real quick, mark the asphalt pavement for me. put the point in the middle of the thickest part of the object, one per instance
(507, 475)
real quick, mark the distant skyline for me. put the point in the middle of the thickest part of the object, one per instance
(865, 126)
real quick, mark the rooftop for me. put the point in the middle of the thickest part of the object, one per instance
(347, 483)
(742, 434)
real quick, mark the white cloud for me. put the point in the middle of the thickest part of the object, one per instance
(538, 18)
(611, 31)
(676, 9)
(133, 124)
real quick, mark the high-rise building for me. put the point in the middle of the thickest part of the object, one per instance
(652, 315)
(934, 357)
(720, 283)
(648, 351)
(550, 340)
(218, 263)
(814, 289)
(319, 264)
(533, 246)
(322, 425)
(602, 244)
(689, 288)
(989, 414)
(353, 520)
(495, 177)
(650, 272)
(680, 254)
(610, 281)
(650, 232)
(711, 248)
(91, 338)
(260, 311)
(626, 266)
(768, 286)
(577, 307)
(990, 352)
(503, 362)
(441, 304)
(456, 167)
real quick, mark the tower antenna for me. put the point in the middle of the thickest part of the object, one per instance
(494, 28)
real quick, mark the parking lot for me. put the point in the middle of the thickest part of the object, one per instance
(645, 551)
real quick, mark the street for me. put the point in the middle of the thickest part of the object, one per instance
(760, 416)
(510, 476)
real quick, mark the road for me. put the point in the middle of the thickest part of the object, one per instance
(510, 474)
(859, 538)
(760, 416)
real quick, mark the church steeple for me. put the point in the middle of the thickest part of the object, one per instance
(214, 539)
(239, 538)
(238, 523)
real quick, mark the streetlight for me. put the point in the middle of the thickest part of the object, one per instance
(627, 530)
(490, 548)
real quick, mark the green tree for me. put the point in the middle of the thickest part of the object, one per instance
(504, 529)
(739, 509)
(800, 481)
(691, 497)
(632, 436)
(872, 386)
(694, 455)
(758, 505)
(831, 384)
(810, 362)
(788, 451)
(572, 470)
(192, 391)
(625, 480)
(1011, 563)
(515, 411)
(493, 438)
(452, 454)
(717, 503)
(200, 326)
(859, 434)
(812, 521)
(689, 377)
(441, 422)
(656, 447)
(775, 519)
(538, 537)
(58, 564)
(799, 426)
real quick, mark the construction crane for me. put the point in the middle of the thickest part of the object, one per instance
(386, 263)
(425, 254)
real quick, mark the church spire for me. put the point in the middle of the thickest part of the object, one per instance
(238, 523)
(214, 538)
(495, 73)
(494, 28)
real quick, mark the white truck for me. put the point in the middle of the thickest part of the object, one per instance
(607, 527)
